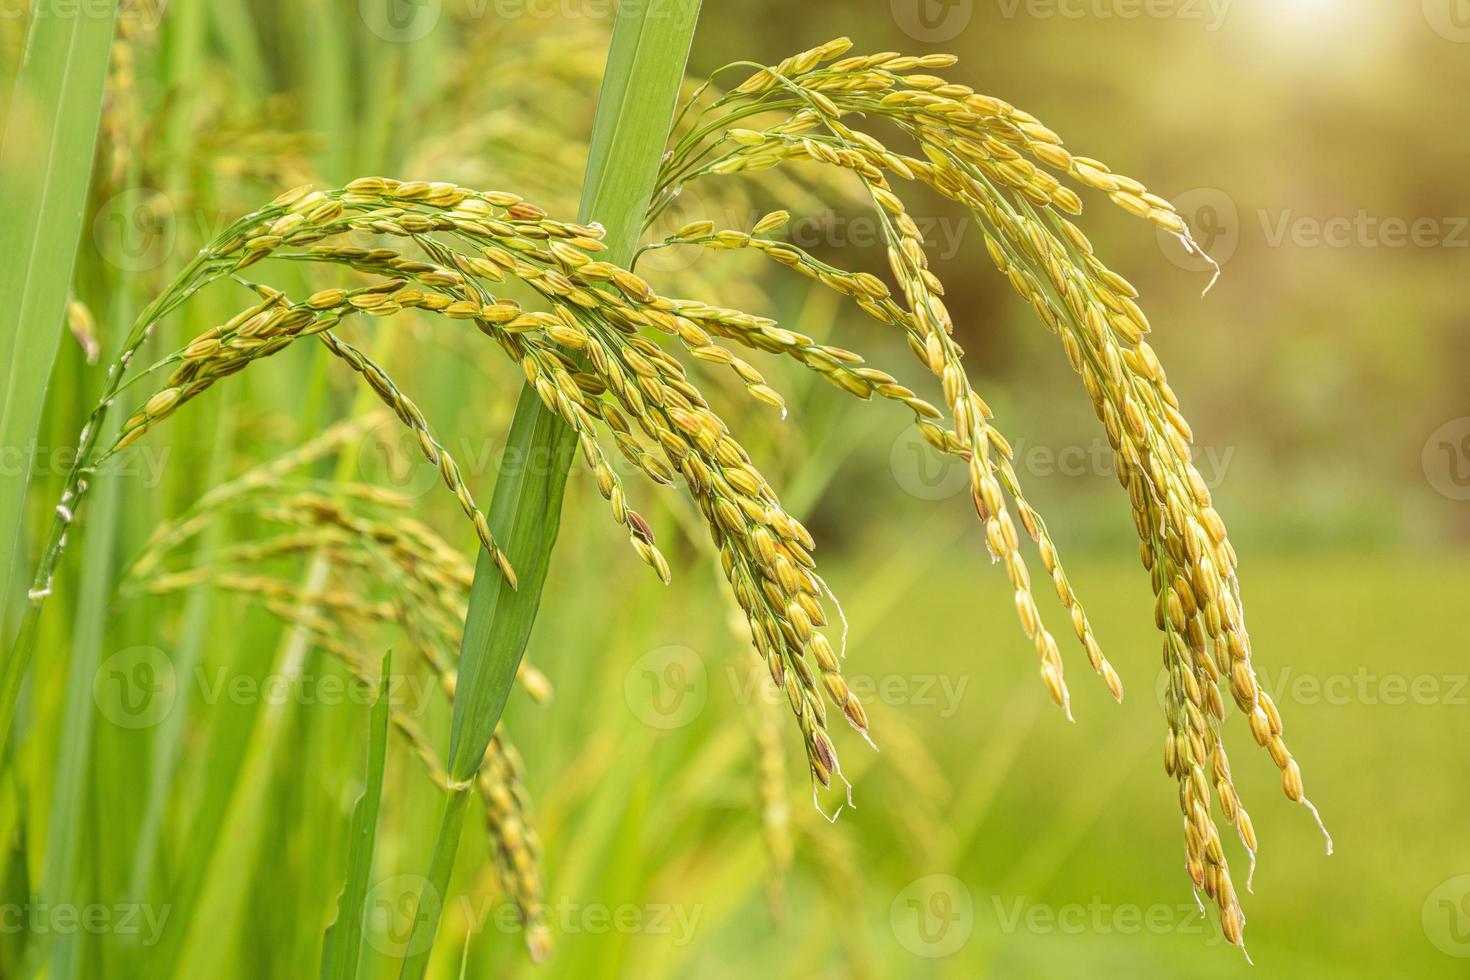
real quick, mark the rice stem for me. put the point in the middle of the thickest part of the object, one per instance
(646, 61)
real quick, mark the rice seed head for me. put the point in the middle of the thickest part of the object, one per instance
(445, 249)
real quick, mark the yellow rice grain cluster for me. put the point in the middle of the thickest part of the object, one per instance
(589, 351)
(588, 360)
(1010, 172)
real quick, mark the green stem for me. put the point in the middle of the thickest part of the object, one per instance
(46, 152)
(436, 884)
(75, 488)
(650, 45)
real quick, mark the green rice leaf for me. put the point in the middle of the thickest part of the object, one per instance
(343, 940)
(646, 61)
(45, 168)
(645, 65)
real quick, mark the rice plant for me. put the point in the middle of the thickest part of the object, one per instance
(613, 363)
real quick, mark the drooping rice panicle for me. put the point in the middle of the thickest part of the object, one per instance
(632, 383)
(446, 249)
(1002, 164)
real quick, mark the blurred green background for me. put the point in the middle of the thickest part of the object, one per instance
(1318, 147)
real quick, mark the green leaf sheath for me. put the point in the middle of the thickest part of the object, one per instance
(343, 939)
(645, 65)
(650, 45)
(45, 167)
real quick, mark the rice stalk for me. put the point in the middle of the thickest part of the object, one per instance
(1000, 163)
(499, 782)
(432, 579)
(45, 168)
(593, 377)
(342, 943)
(645, 64)
(337, 618)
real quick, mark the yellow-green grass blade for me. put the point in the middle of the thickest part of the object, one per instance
(650, 46)
(645, 65)
(211, 923)
(343, 942)
(15, 891)
(233, 27)
(61, 881)
(326, 62)
(211, 927)
(167, 739)
(45, 168)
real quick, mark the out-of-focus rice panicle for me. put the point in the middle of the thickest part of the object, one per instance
(341, 619)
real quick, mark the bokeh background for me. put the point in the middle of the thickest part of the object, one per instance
(1317, 146)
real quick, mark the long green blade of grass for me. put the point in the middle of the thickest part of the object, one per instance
(64, 869)
(650, 46)
(210, 923)
(168, 737)
(45, 168)
(343, 941)
(645, 66)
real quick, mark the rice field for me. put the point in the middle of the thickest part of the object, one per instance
(507, 491)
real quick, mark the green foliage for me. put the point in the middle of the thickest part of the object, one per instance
(343, 941)
(45, 169)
